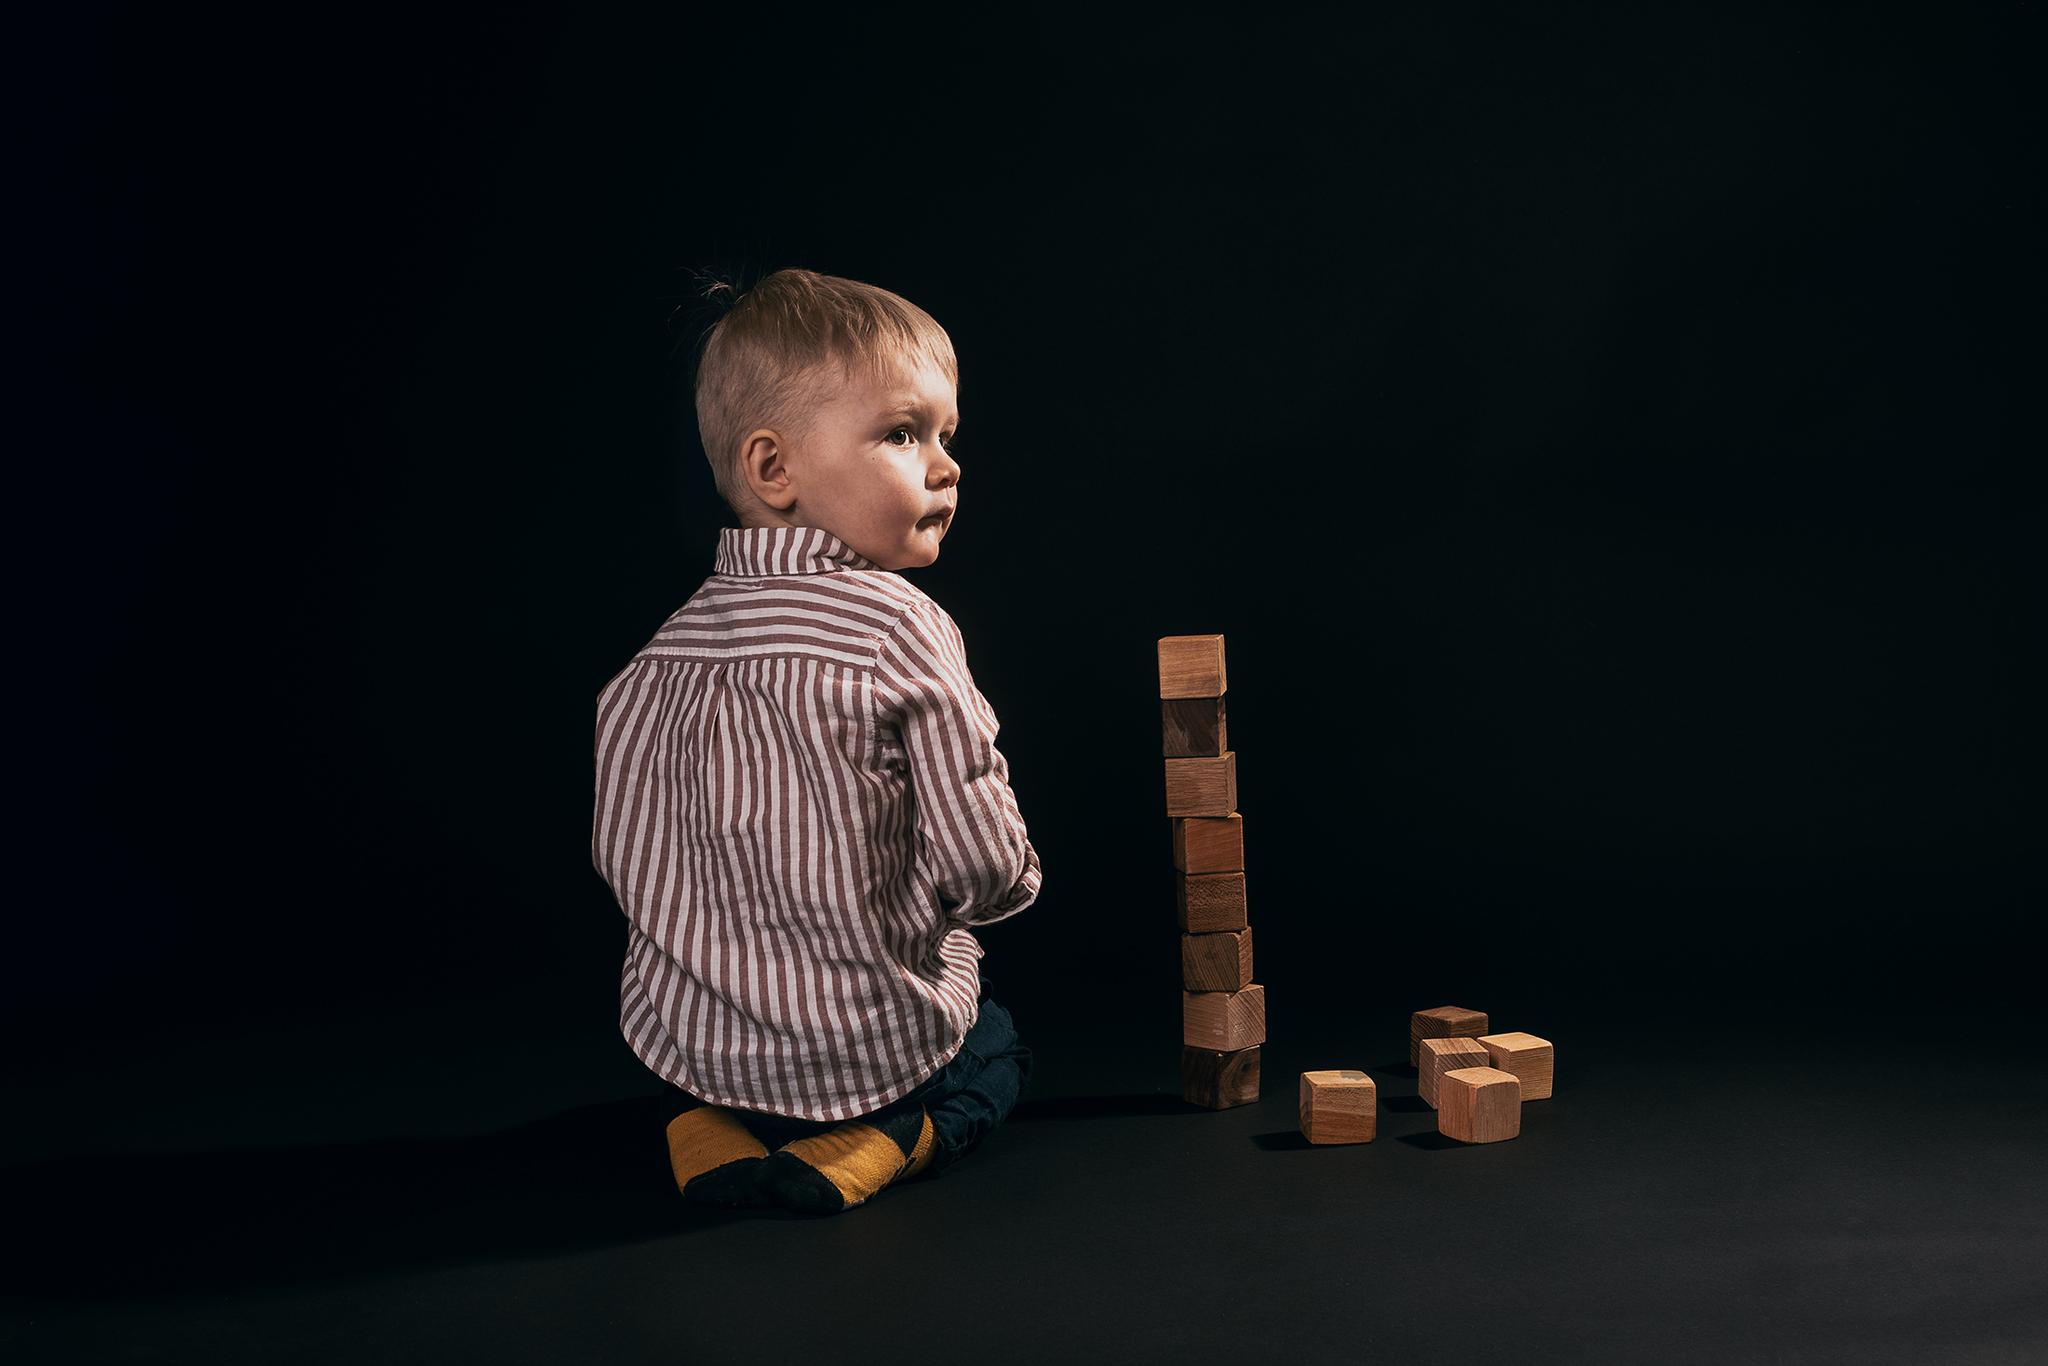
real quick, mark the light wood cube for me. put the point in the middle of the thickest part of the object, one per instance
(1338, 1106)
(1191, 726)
(1209, 903)
(1209, 844)
(1479, 1105)
(1438, 1056)
(1218, 962)
(1223, 1020)
(1202, 787)
(1191, 666)
(1531, 1059)
(1219, 1080)
(1443, 1022)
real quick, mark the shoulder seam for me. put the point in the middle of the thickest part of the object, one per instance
(910, 609)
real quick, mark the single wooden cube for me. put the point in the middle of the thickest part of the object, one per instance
(1339, 1106)
(1434, 1057)
(1223, 1020)
(1209, 903)
(1191, 666)
(1202, 787)
(1443, 1022)
(1193, 726)
(1531, 1059)
(1218, 962)
(1208, 844)
(1219, 1080)
(1479, 1105)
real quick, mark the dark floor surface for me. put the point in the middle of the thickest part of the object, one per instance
(399, 1189)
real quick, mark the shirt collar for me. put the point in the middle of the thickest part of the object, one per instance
(756, 550)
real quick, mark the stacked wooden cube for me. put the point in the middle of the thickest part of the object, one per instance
(1223, 1012)
(1476, 1081)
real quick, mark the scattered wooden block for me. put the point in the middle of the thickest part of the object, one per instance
(1443, 1022)
(1209, 903)
(1480, 1105)
(1191, 726)
(1202, 787)
(1220, 962)
(1191, 666)
(1338, 1106)
(1208, 844)
(1531, 1059)
(1219, 1080)
(1438, 1056)
(1223, 1020)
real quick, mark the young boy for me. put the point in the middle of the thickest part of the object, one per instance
(800, 806)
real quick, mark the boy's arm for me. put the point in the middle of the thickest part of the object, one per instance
(969, 832)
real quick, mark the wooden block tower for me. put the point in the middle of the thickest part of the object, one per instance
(1223, 1011)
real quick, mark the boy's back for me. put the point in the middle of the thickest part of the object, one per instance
(801, 809)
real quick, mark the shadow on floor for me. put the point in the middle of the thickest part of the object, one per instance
(1432, 1141)
(111, 1224)
(1282, 1141)
(107, 1225)
(1101, 1107)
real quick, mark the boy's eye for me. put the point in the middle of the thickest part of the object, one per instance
(945, 440)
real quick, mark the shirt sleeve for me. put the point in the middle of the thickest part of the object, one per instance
(970, 835)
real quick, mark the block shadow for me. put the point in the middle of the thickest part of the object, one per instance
(1432, 1141)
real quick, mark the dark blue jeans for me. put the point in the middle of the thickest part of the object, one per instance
(967, 1098)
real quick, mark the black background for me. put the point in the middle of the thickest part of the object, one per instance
(1598, 440)
(1603, 440)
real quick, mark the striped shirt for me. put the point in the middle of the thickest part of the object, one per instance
(801, 810)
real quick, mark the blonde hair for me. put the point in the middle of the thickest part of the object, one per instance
(768, 361)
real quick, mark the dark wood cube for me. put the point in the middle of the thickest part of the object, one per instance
(1216, 962)
(1219, 1080)
(1193, 727)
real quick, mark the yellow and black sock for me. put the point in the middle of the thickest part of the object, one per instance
(844, 1166)
(715, 1157)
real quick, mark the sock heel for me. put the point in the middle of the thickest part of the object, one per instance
(714, 1156)
(850, 1164)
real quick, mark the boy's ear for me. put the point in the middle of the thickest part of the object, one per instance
(767, 474)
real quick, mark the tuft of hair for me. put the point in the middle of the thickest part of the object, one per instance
(782, 348)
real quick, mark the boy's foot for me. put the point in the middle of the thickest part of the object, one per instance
(842, 1167)
(715, 1157)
